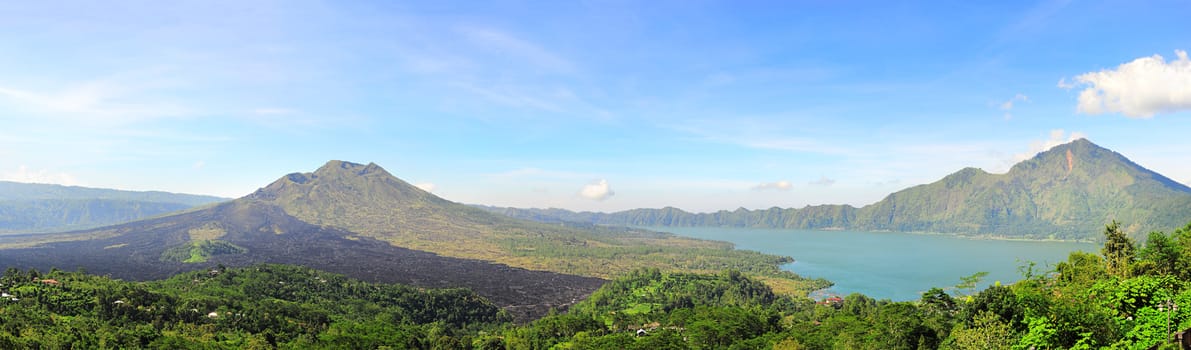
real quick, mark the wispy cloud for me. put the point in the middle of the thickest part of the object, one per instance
(24, 174)
(782, 185)
(791, 144)
(1137, 89)
(513, 96)
(1036, 19)
(770, 134)
(273, 111)
(490, 66)
(293, 120)
(1008, 105)
(426, 186)
(100, 101)
(539, 173)
(503, 43)
(1057, 137)
(822, 181)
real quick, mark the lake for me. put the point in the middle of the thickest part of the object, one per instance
(896, 266)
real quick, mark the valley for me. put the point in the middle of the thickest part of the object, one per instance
(582, 280)
(575, 175)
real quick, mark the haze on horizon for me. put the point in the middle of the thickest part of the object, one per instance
(702, 105)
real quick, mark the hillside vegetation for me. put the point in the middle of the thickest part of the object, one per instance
(1125, 297)
(245, 233)
(28, 207)
(1059, 194)
(258, 307)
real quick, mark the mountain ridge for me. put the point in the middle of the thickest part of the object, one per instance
(1068, 192)
(33, 208)
(362, 221)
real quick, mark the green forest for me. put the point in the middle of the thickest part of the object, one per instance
(1128, 295)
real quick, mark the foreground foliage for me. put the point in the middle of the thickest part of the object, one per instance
(1134, 299)
(1125, 297)
(265, 306)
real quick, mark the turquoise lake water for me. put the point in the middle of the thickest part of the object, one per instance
(896, 266)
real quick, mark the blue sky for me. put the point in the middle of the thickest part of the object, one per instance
(586, 105)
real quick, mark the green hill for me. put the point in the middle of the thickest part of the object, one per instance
(369, 201)
(26, 207)
(1067, 192)
(361, 221)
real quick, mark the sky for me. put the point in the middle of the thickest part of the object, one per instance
(586, 105)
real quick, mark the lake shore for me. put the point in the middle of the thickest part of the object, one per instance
(892, 265)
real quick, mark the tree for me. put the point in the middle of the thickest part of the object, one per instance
(720, 327)
(900, 326)
(988, 332)
(1162, 256)
(1080, 269)
(969, 283)
(1118, 251)
(1001, 301)
(938, 312)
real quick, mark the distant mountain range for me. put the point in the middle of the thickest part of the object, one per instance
(1068, 192)
(363, 222)
(27, 207)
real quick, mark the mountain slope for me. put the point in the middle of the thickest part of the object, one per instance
(1067, 192)
(1070, 191)
(26, 207)
(361, 221)
(367, 200)
(266, 234)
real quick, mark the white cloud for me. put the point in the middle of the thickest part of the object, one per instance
(1057, 137)
(822, 181)
(1065, 85)
(426, 186)
(199, 165)
(779, 185)
(598, 190)
(1138, 89)
(24, 174)
(1007, 106)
